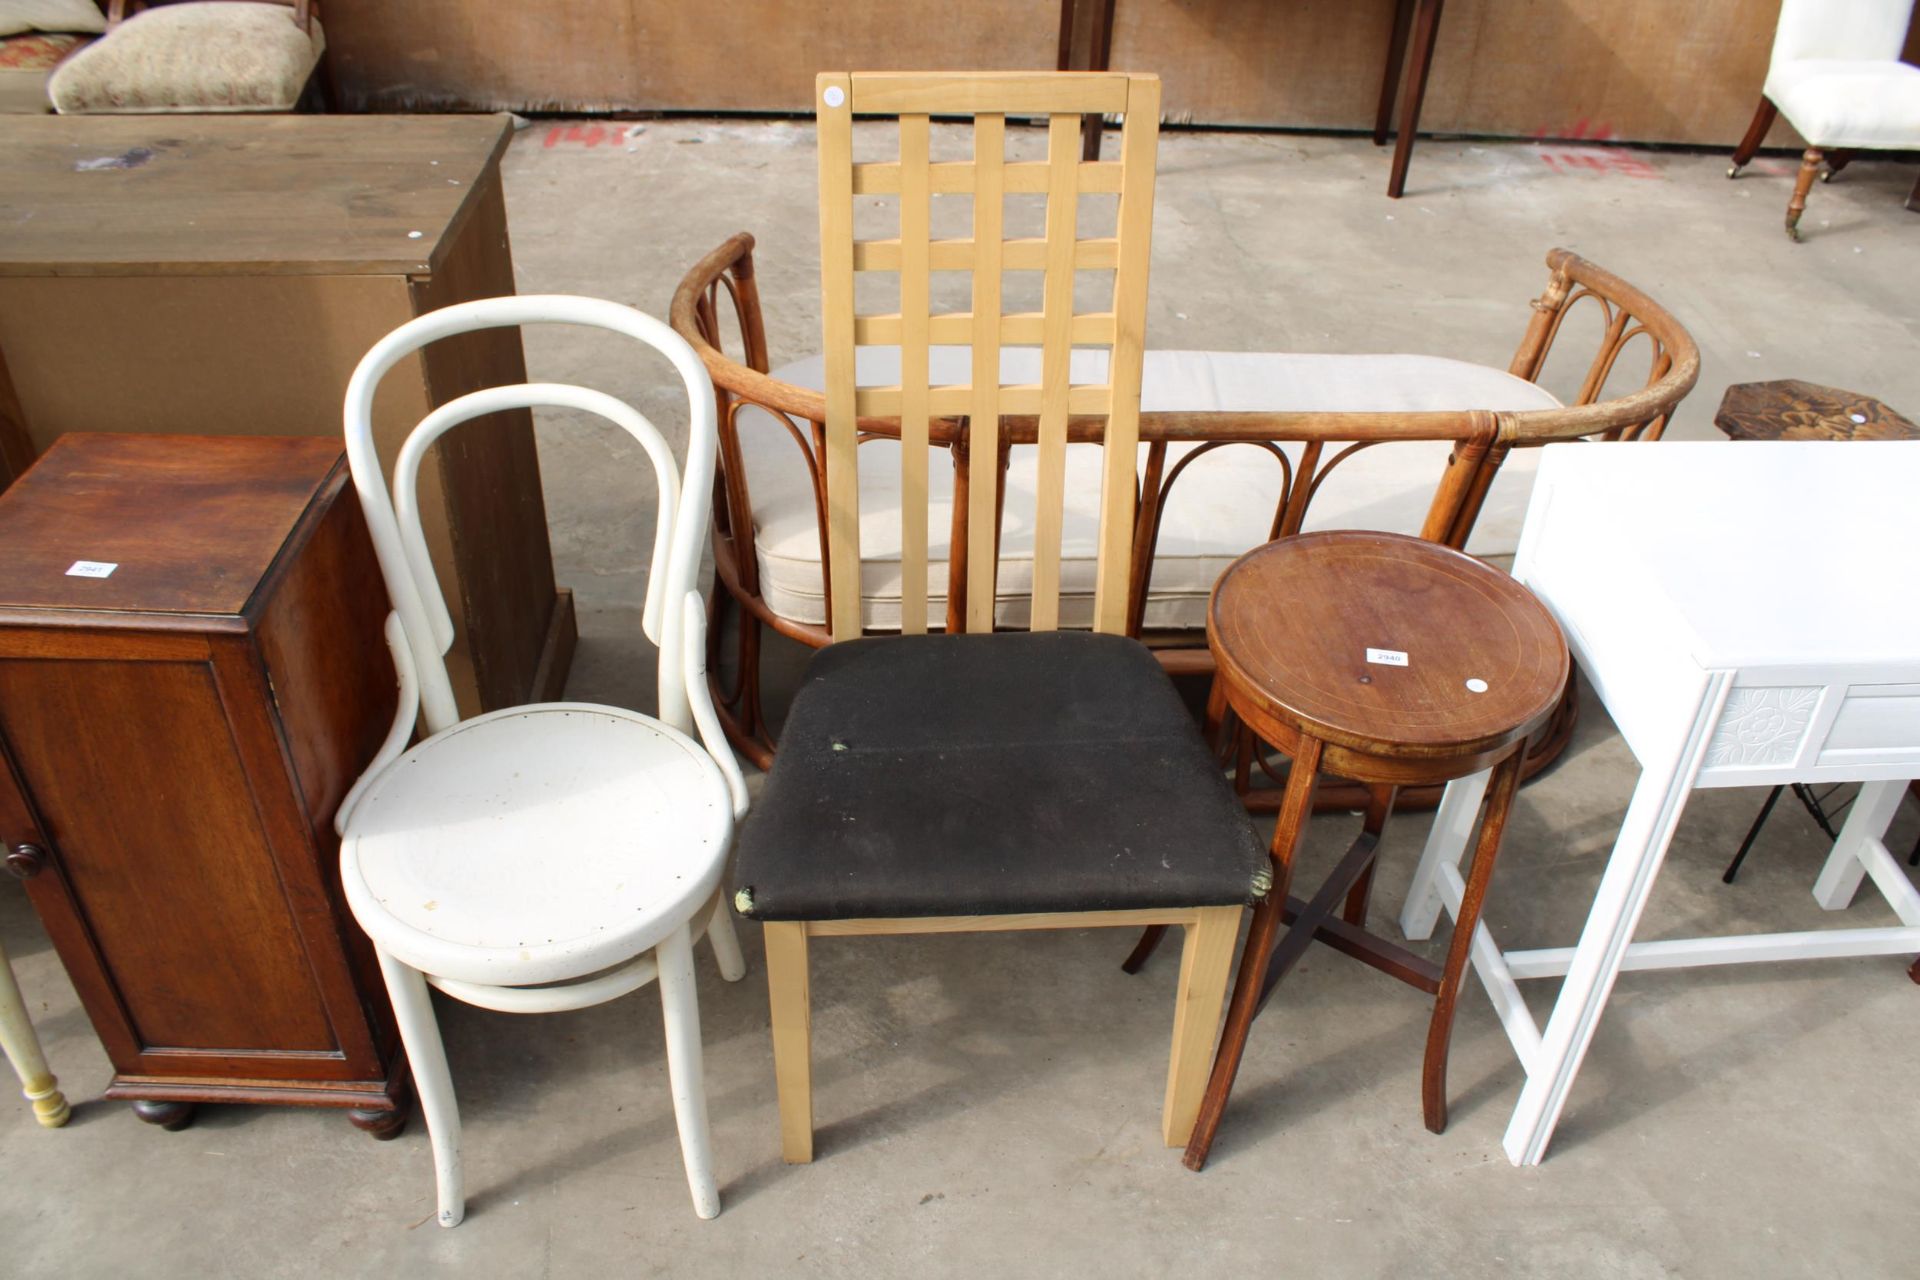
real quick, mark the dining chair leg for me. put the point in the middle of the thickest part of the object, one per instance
(1433, 1079)
(1763, 118)
(1809, 168)
(21, 1046)
(680, 1009)
(420, 1032)
(1296, 807)
(791, 1001)
(1206, 965)
(1837, 159)
(725, 942)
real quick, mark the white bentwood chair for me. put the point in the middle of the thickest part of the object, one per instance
(1836, 73)
(556, 855)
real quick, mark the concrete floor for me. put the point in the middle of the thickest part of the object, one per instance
(989, 1105)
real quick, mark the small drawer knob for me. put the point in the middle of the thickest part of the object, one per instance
(25, 861)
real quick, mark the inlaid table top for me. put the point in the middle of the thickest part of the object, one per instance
(1386, 644)
(1793, 410)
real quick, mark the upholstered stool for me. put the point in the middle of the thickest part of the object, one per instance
(207, 55)
(1393, 662)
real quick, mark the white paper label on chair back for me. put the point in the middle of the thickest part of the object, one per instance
(1106, 411)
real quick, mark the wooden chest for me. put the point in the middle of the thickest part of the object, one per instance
(192, 674)
(223, 275)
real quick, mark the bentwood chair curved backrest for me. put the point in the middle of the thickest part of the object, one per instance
(1836, 74)
(556, 855)
(976, 781)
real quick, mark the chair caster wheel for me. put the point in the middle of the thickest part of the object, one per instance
(1733, 171)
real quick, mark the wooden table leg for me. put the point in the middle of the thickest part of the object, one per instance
(1390, 77)
(1099, 53)
(22, 1049)
(1426, 25)
(1296, 808)
(1433, 1078)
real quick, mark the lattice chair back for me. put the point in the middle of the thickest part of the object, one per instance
(1103, 409)
(393, 518)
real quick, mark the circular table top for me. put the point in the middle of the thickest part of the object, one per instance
(1386, 644)
(1793, 410)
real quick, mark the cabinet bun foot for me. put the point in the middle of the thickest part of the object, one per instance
(171, 1116)
(382, 1126)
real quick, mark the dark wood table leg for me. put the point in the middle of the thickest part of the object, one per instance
(1099, 53)
(1390, 77)
(1426, 25)
(1433, 1078)
(1379, 807)
(1296, 808)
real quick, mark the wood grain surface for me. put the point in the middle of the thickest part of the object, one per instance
(1291, 624)
(296, 195)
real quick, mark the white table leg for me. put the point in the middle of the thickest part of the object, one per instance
(1446, 844)
(1655, 810)
(22, 1049)
(1868, 820)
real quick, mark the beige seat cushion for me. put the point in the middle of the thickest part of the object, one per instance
(209, 56)
(1221, 507)
(1833, 103)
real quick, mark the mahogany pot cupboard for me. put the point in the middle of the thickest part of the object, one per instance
(191, 676)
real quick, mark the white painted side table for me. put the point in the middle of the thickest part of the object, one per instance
(1672, 568)
(22, 1050)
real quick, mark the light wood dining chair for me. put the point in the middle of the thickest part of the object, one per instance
(974, 781)
(557, 855)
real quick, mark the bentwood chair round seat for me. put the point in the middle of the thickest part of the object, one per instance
(537, 844)
(1392, 662)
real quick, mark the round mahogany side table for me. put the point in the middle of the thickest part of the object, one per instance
(1392, 662)
(1793, 410)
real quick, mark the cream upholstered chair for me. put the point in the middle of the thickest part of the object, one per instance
(199, 56)
(1836, 74)
(558, 855)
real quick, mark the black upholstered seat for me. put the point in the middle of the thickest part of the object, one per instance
(992, 775)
